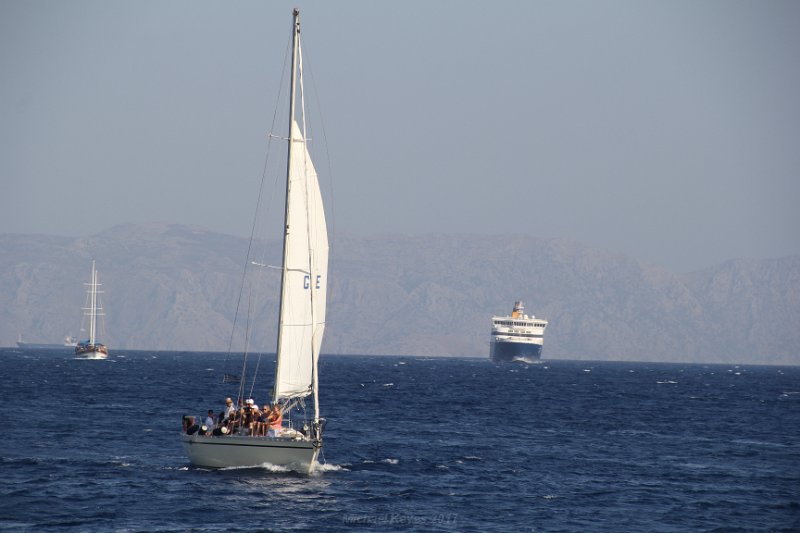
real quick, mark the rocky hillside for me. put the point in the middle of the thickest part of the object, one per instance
(174, 287)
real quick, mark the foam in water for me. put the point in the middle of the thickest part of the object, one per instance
(266, 466)
(327, 467)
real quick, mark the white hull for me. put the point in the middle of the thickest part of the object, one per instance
(243, 451)
(92, 355)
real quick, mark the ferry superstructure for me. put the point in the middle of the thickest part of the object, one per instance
(518, 337)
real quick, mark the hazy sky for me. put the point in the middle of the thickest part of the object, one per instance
(669, 131)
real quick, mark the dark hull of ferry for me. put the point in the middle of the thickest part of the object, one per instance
(515, 351)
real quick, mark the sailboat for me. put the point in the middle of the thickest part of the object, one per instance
(291, 442)
(91, 348)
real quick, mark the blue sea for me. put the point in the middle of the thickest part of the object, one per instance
(412, 444)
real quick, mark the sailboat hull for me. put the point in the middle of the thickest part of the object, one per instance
(91, 351)
(244, 451)
(91, 355)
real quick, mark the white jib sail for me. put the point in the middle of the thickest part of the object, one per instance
(302, 320)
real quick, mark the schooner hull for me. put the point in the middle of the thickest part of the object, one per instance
(91, 355)
(244, 451)
(91, 351)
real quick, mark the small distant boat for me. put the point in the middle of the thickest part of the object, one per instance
(292, 441)
(91, 348)
(69, 342)
(518, 337)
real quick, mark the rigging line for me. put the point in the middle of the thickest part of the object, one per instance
(255, 215)
(247, 341)
(243, 378)
(255, 372)
(253, 304)
(98, 310)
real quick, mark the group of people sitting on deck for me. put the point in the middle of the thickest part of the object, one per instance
(244, 419)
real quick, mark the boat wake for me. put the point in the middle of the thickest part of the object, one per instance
(263, 466)
(327, 467)
(526, 360)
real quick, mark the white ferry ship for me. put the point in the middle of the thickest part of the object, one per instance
(518, 337)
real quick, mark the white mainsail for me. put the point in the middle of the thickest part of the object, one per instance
(303, 300)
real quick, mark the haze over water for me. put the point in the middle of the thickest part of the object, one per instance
(666, 131)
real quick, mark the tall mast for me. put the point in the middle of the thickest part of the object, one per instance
(93, 306)
(293, 89)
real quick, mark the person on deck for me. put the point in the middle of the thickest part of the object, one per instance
(275, 421)
(234, 422)
(256, 415)
(263, 422)
(209, 422)
(247, 418)
(229, 407)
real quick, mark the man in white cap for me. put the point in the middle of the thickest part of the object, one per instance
(229, 407)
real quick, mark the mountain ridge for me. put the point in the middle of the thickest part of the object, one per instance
(177, 287)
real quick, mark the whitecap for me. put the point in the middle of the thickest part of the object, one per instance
(327, 467)
(274, 468)
(391, 461)
(751, 442)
